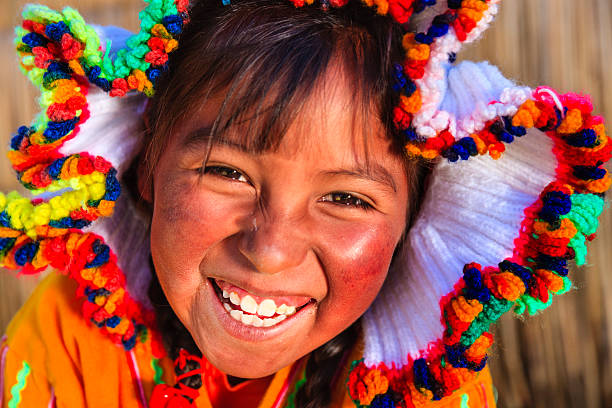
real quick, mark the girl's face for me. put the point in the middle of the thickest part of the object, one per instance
(265, 257)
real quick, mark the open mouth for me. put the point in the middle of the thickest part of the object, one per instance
(253, 310)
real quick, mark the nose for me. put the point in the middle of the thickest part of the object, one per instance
(273, 243)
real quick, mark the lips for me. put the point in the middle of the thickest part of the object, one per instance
(255, 310)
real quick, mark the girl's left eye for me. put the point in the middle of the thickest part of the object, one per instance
(226, 172)
(347, 199)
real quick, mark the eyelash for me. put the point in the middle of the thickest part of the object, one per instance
(226, 172)
(336, 197)
(342, 198)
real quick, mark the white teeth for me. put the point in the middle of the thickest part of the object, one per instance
(269, 322)
(290, 310)
(257, 322)
(281, 309)
(227, 307)
(248, 304)
(225, 294)
(236, 314)
(266, 308)
(247, 318)
(234, 298)
(280, 318)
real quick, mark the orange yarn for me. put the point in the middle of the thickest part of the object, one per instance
(571, 123)
(508, 285)
(411, 104)
(466, 310)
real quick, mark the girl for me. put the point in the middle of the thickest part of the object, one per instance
(275, 243)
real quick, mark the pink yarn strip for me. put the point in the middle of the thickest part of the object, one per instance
(136, 376)
(283, 392)
(2, 365)
(52, 400)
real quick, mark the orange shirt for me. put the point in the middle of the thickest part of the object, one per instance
(52, 357)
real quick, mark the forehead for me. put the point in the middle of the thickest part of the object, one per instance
(333, 119)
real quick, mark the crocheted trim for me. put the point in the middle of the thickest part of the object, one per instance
(22, 377)
(555, 229)
(419, 77)
(62, 56)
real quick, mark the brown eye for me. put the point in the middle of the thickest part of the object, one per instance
(346, 199)
(225, 172)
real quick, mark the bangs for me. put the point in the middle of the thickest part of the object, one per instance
(267, 61)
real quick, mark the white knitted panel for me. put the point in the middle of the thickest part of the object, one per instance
(114, 131)
(471, 213)
(431, 119)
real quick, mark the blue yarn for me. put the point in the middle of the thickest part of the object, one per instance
(514, 130)
(589, 172)
(553, 263)
(498, 129)
(34, 40)
(584, 138)
(438, 30)
(410, 134)
(93, 74)
(102, 252)
(556, 204)
(518, 270)
(68, 222)
(26, 253)
(5, 221)
(113, 322)
(382, 401)
(461, 151)
(22, 133)
(55, 31)
(93, 293)
(153, 74)
(423, 38)
(57, 130)
(456, 357)
(113, 188)
(173, 23)
(6, 244)
(55, 169)
(129, 343)
(469, 144)
(474, 285)
(424, 379)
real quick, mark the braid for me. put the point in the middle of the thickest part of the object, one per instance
(323, 365)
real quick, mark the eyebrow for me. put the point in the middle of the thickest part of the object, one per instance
(373, 171)
(201, 136)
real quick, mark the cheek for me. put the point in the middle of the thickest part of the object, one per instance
(186, 223)
(357, 268)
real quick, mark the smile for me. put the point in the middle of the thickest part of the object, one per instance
(257, 311)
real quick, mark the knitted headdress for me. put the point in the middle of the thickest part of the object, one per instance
(514, 195)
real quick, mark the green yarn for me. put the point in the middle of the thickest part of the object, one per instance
(298, 385)
(22, 377)
(157, 377)
(42, 14)
(583, 214)
(491, 311)
(533, 305)
(578, 244)
(464, 401)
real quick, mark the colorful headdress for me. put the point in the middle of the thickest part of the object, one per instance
(514, 196)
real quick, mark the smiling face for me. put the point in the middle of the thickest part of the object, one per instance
(311, 225)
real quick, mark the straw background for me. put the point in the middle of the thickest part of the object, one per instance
(559, 359)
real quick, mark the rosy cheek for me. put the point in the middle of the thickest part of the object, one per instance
(358, 269)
